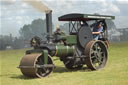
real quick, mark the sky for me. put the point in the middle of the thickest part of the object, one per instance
(15, 13)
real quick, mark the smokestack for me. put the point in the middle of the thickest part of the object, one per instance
(49, 25)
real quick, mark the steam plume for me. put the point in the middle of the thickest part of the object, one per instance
(38, 5)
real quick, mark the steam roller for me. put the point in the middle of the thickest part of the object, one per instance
(76, 49)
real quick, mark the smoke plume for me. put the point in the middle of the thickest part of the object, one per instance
(38, 5)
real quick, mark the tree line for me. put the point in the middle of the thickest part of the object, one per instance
(36, 28)
(10, 42)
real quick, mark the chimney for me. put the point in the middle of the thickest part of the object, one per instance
(49, 25)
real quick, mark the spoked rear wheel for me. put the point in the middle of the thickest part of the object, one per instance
(96, 52)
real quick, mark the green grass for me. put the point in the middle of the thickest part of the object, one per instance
(115, 72)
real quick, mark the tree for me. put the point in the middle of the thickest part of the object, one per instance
(18, 43)
(26, 32)
(36, 28)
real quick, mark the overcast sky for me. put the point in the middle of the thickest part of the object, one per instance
(15, 13)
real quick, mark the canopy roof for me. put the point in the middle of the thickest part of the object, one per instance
(80, 17)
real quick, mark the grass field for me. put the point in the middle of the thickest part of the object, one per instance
(115, 72)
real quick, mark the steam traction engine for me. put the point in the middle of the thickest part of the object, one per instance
(74, 50)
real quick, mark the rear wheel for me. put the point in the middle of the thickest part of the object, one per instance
(96, 55)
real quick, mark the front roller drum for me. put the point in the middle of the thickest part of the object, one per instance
(32, 65)
(96, 54)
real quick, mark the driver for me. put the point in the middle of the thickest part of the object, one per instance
(97, 30)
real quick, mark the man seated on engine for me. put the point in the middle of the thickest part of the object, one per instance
(98, 28)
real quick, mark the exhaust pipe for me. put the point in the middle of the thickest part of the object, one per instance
(49, 25)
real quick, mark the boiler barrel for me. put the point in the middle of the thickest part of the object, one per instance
(62, 51)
